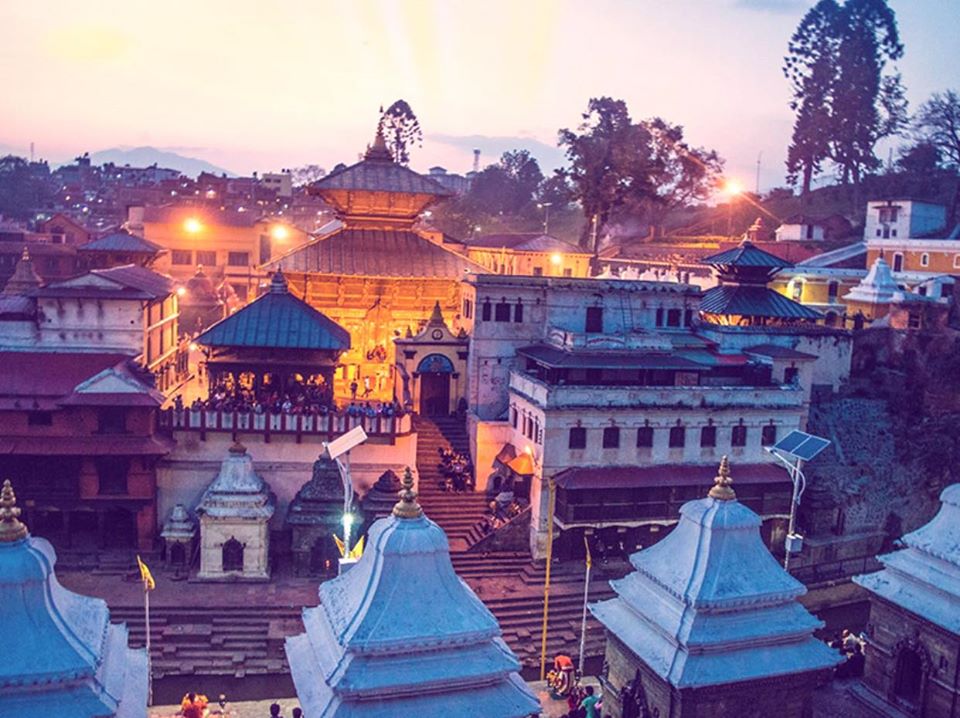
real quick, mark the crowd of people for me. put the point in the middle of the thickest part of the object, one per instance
(456, 471)
(302, 399)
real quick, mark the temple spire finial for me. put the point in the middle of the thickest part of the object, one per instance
(407, 507)
(722, 485)
(11, 528)
(379, 150)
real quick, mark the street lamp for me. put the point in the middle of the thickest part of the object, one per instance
(279, 232)
(192, 225)
(791, 451)
(545, 206)
(732, 189)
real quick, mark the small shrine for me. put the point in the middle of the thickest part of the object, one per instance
(63, 656)
(709, 623)
(432, 364)
(276, 343)
(875, 293)
(913, 634)
(315, 515)
(743, 297)
(401, 634)
(234, 515)
(179, 536)
(24, 278)
(379, 500)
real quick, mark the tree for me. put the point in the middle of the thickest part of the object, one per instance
(810, 65)
(937, 123)
(401, 130)
(307, 175)
(24, 187)
(843, 100)
(921, 159)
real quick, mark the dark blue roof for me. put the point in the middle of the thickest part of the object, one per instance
(746, 255)
(753, 301)
(121, 242)
(277, 320)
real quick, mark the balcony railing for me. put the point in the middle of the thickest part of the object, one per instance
(702, 396)
(326, 426)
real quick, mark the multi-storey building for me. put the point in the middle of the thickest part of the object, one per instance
(533, 253)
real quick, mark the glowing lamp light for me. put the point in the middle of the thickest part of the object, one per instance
(193, 346)
(181, 291)
(279, 232)
(192, 225)
(556, 258)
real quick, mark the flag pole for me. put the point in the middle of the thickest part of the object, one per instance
(146, 615)
(551, 488)
(586, 595)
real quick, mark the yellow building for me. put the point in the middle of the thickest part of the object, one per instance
(228, 245)
(529, 253)
(927, 257)
(377, 275)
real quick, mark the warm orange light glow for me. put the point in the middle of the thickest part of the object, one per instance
(732, 188)
(193, 347)
(192, 225)
(556, 258)
(181, 291)
(279, 232)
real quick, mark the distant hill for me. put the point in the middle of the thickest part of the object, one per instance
(146, 156)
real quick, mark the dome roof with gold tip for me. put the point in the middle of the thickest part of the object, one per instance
(61, 654)
(401, 634)
(710, 605)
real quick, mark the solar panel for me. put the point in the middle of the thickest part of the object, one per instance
(801, 445)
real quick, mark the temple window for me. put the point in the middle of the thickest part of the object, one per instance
(181, 256)
(502, 312)
(678, 436)
(611, 437)
(833, 289)
(645, 437)
(659, 316)
(111, 420)
(513, 416)
(739, 435)
(909, 675)
(112, 475)
(594, 320)
(467, 308)
(924, 260)
(238, 259)
(538, 271)
(206, 258)
(578, 438)
(708, 436)
(40, 418)
(485, 311)
(673, 317)
(768, 436)
(518, 311)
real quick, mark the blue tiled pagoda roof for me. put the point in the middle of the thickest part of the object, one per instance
(277, 320)
(753, 301)
(746, 255)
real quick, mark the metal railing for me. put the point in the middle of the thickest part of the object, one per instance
(299, 425)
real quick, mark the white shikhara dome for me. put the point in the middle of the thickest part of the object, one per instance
(401, 634)
(710, 605)
(924, 578)
(61, 656)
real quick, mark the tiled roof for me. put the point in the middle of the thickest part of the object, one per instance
(617, 477)
(380, 175)
(50, 374)
(526, 242)
(126, 282)
(378, 253)
(775, 351)
(277, 320)
(753, 301)
(746, 255)
(120, 242)
(146, 280)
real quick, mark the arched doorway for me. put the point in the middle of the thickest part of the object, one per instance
(178, 556)
(233, 555)
(435, 371)
(324, 557)
(909, 678)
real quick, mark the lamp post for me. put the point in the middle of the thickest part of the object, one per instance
(341, 446)
(545, 206)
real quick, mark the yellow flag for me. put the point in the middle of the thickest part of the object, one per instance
(340, 547)
(357, 551)
(145, 575)
(586, 545)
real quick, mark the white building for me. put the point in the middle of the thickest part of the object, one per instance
(904, 218)
(622, 397)
(234, 515)
(800, 230)
(400, 634)
(61, 655)
(279, 182)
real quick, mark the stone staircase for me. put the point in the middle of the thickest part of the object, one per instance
(460, 515)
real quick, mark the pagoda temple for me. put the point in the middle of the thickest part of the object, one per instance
(378, 275)
(314, 516)
(743, 297)
(24, 278)
(913, 634)
(401, 634)
(234, 515)
(709, 623)
(275, 341)
(378, 502)
(61, 654)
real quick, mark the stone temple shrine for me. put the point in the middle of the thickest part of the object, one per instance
(709, 624)
(61, 656)
(234, 515)
(913, 636)
(400, 634)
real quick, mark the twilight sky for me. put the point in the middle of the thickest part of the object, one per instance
(252, 85)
